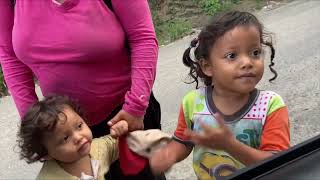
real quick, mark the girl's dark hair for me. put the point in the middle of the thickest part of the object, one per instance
(217, 28)
(42, 117)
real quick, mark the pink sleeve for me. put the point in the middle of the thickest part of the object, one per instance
(18, 76)
(136, 20)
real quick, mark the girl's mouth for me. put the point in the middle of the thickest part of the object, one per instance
(246, 75)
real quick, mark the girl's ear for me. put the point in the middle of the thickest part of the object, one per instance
(45, 158)
(206, 67)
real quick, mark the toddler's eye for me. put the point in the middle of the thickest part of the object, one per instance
(80, 125)
(231, 56)
(65, 138)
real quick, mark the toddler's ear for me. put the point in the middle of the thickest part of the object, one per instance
(206, 67)
(45, 158)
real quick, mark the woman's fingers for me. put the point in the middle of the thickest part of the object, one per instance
(114, 120)
(134, 123)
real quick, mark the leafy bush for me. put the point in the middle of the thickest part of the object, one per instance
(172, 30)
(212, 7)
(3, 89)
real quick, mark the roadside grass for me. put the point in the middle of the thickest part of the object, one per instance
(3, 89)
(172, 30)
(176, 28)
(212, 7)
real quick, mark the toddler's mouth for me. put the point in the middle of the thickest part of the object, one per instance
(84, 146)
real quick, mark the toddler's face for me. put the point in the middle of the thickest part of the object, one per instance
(236, 61)
(71, 139)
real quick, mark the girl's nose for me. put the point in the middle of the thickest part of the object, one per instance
(246, 62)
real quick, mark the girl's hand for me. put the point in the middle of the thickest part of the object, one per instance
(215, 138)
(119, 129)
(134, 123)
(161, 160)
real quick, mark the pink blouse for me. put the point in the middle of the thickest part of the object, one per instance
(79, 49)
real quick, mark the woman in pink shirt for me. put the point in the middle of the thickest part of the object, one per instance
(103, 57)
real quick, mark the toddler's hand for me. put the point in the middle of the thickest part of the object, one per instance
(118, 129)
(134, 123)
(215, 138)
(161, 160)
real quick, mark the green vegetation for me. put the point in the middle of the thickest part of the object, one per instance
(177, 27)
(259, 4)
(172, 30)
(3, 89)
(212, 7)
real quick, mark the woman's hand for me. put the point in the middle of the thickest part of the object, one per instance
(216, 138)
(134, 123)
(118, 129)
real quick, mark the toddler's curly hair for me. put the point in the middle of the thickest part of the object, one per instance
(42, 117)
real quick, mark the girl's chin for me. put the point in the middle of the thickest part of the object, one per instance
(246, 90)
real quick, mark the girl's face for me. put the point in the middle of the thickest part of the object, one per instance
(71, 139)
(236, 63)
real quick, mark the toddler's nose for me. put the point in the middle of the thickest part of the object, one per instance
(77, 138)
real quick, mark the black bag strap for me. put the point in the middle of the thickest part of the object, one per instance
(109, 4)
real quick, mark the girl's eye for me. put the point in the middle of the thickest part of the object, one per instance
(231, 56)
(256, 53)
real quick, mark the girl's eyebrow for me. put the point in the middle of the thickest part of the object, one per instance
(257, 46)
(229, 49)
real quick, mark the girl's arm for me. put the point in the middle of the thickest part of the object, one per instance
(175, 151)
(246, 154)
(275, 138)
(18, 76)
(223, 139)
(136, 20)
(165, 158)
